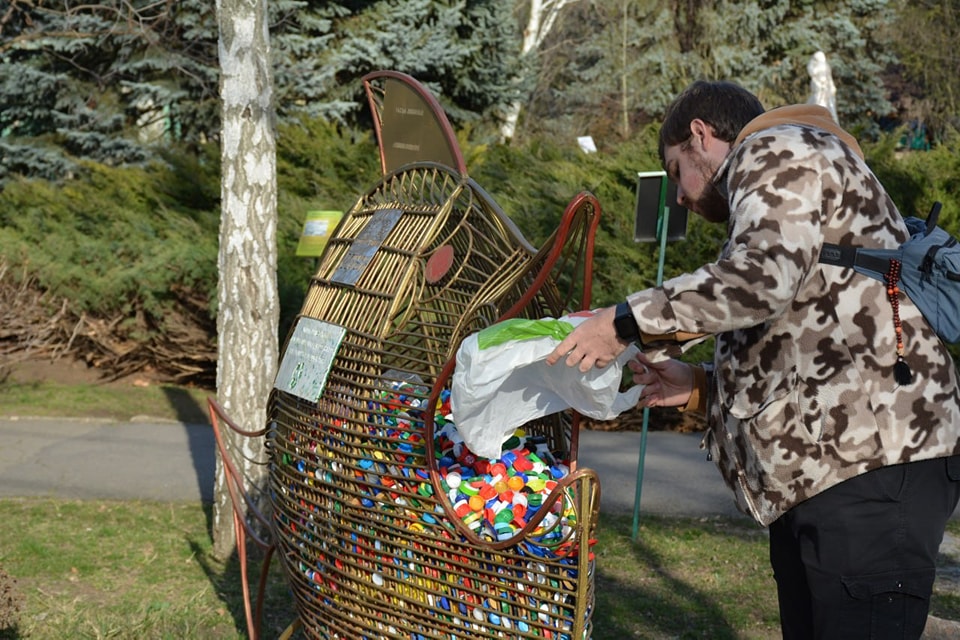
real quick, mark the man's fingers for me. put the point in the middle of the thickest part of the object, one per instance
(649, 394)
(564, 349)
(586, 364)
(556, 354)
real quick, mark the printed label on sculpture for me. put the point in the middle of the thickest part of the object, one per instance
(306, 362)
(365, 246)
(317, 229)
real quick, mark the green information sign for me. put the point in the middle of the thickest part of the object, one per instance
(317, 229)
(308, 358)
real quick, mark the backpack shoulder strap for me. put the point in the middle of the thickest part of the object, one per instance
(876, 262)
(855, 258)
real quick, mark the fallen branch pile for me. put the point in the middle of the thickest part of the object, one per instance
(31, 323)
(35, 326)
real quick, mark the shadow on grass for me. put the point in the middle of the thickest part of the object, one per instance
(279, 610)
(673, 608)
(681, 579)
(185, 406)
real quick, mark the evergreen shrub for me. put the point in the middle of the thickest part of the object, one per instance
(138, 246)
(534, 183)
(110, 242)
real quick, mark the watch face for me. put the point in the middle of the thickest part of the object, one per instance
(624, 323)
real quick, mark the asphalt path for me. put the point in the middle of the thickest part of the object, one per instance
(103, 459)
(148, 459)
(172, 461)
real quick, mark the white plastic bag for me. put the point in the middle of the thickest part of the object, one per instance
(501, 381)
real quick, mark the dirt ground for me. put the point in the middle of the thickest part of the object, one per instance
(69, 372)
(175, 401)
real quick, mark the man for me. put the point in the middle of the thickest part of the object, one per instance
(854, 470)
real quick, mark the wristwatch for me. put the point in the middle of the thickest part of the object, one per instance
(625, 324)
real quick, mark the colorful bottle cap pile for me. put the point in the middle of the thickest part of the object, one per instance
(493, 498)
(496, 498)
(456, 599)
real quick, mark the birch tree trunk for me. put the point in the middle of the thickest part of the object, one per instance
(248, 309)
(540, 20)
(624, 94)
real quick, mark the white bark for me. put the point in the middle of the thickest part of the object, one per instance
(540, 20)
(248, 305)
(822, 90)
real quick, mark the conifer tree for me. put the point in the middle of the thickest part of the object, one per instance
(618, 59)
(766, 45)
(464, 52)
(109, 81)
(633, 56)
(103, 81)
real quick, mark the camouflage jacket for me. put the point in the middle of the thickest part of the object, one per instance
(802, 394)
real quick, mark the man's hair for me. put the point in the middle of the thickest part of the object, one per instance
(725, 106)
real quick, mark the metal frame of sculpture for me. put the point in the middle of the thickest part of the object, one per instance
(363, 520)
(249, 523)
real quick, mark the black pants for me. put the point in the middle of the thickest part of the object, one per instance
(859, 560)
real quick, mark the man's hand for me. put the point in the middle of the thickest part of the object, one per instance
(593, 343)
(667, 383)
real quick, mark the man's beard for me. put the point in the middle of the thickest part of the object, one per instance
(711, 205)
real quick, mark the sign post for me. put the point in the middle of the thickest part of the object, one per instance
(658, 218)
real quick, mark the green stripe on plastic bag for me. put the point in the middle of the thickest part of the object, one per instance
(522, 329)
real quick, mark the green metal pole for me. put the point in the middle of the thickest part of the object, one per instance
(662, 226)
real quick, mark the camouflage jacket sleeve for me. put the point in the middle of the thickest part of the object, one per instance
(774, 238)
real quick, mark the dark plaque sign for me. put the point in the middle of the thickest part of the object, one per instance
(655, 195)
(365, 246)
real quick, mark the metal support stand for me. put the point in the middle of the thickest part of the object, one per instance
(662, 225)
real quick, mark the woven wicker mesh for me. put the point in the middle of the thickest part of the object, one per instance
(369, 539)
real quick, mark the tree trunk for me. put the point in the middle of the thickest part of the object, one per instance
(624, 79)
(540, 19)
(248, 309)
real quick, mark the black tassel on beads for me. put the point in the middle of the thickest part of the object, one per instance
(901, 370)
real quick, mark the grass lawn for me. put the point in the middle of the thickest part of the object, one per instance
(123, 570)
(145, 570)
(113, 400)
